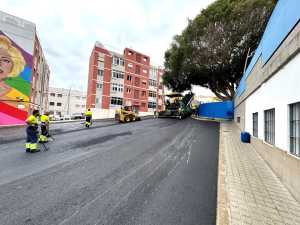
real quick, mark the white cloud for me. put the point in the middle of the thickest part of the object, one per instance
(68, 30)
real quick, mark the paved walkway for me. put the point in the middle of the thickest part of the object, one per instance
(253, 194)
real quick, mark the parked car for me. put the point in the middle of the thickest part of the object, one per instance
(67, 117)
(76, 116)
(54, 117)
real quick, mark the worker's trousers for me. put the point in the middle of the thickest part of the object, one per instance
(88, 119)
(32, 138)
(44, 133)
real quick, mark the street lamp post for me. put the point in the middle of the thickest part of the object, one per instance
(69, 95)
(249, 54)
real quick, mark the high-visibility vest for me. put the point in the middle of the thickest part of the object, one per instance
(88, 113)
(32, 120)
(44, 119)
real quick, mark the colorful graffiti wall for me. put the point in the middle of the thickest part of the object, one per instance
(15, 77)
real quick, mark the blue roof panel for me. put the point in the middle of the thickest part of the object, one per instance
(285, 16)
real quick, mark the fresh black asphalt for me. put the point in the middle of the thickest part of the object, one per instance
(156, 171)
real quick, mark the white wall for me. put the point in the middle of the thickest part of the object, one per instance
(22, 32)
(278, 92)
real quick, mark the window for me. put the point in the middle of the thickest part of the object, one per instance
(99, 85)
(59, 95)
(122, 62)
(144, 83)
(145, 59)
(101, 58)
(152, 105)
(153, 73)
(78, 97)
(255, 124)
(130, 52)
(129, 77)
(130, 65)
(58, 104)
(143, 93)
(136, 94)
(100, 64)
(97, 100)
(118, 61)
(117, 74)
(116, 101)
(295, 129)
(152, 94)
(117, 87)
(137, 81)
(144, 71)
(238, 119)
(137, 69)
(77, 105)
(52, 94)
(51, 103)
(152, 83)
(270, 126)
(143, 105)
(138, 57)
(128, 90)
(100, 73)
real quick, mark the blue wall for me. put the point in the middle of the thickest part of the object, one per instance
(285, 16)
(221, 110)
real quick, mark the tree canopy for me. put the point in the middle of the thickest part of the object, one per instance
(212, 49)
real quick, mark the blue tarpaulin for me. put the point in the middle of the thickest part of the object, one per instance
(216, 110)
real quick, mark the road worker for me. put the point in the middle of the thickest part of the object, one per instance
(32, 132)
(194, 108)
(88, 118)
(43, 138)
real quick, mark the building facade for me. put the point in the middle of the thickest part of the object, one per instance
(24, 73)
(267, 102)
(63, 102)
(123, 79)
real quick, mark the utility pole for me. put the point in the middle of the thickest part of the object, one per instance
(68, 111)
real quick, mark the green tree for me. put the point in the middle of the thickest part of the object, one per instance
(212, 49)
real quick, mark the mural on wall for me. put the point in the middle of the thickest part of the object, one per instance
(15, 78)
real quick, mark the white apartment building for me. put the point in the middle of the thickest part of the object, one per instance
(64, 102)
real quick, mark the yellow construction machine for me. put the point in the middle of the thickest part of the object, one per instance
(126, 114)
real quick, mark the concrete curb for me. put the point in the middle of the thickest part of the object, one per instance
(209, 119)
(68, 121)
(11, 126)
(222, 201)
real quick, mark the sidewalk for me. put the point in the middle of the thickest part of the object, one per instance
(248, 190)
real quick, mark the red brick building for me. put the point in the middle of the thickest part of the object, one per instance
(123, 79)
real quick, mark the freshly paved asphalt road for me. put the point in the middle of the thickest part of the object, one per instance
(161, 171)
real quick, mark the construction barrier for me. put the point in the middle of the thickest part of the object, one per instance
(216, 110)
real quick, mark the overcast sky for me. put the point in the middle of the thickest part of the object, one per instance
(68, 30)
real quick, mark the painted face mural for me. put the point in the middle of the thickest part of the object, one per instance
(15, 77)
(6, 63)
